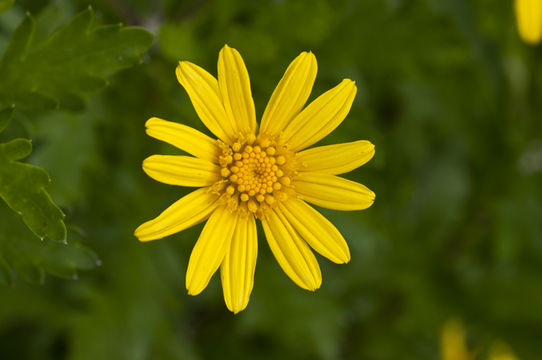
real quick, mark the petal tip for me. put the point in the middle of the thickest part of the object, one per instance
(145, 164)
(307, 57)
(343, 258)
(312, 58)
(191, 291)
(141, 233)
(236, 309)
(315, 283)
(349, 83)
(226, 47)
(314, 287)
(371, 151)
(151, 121)
(137, 233)
(182, 67)
(179, 72)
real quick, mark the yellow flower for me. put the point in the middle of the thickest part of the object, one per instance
(250, 173)
(454, 347)
(529, 18)
(452, 342)
(501, 351)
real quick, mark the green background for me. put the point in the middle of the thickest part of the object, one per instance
(447, 92)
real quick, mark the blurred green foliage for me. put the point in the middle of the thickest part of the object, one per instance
(447, 93)
(5, 5)
(43, 69)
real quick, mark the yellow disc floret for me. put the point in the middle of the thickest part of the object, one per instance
(255, 174)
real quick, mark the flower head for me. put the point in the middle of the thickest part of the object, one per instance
(529, 18)
(263, 173)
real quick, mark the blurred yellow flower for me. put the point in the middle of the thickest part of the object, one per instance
(529, 18)
(453, 345)
(501, 351)
(452, 342)
(263, 173)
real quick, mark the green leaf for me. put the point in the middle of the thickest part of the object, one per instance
(22, 188)
(19, 44)
(5, 117)
(40, 73)
(31, 259)
(5, 5)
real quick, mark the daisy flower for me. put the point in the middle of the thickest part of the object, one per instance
(257, 172)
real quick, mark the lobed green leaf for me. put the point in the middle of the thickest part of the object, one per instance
(42, 73)
(43, 68)
(22, 187)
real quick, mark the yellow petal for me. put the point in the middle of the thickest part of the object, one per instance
(292, 253)
(290, 94)
(316, 230)
(234, 85)
(184, 213)
(183, 137)
(210, 249)
(181, 170)
(239, 264)
(202, 88)
(529, 18)
(320, 117)
(333, 192)
(336, 159)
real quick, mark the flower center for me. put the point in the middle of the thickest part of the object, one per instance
(255, 174)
